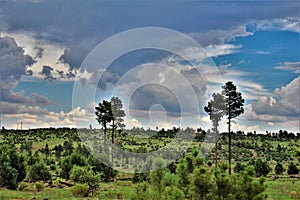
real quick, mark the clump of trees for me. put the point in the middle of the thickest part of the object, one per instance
(110, 113)
(200, 182)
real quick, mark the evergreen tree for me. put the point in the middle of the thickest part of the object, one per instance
(234, 107)
(117, 120)
(104, 116)
(292, 169)
(279, 168)
(216, 109)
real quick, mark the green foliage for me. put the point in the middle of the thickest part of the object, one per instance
(164, 186)
(80, 190)
(23, 185)
(216, 109)
(223, 183)
(238, 167)
(107, 173)
(39, 172)
(292, 169)
(12, 167)
(85, 175)
(39, 186)
(68, 162)
(32, 160)
(8, 175)
(183, 172)
(158, 173)
(247, 188)
(234, 100)
(234, 107)
(140, 176)
(202, 184)
(262, 168)
(279, 168)
(144, 192)
(169, 185)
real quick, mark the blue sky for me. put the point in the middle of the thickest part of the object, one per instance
(45, 45)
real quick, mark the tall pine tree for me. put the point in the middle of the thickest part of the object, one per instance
(234, 107)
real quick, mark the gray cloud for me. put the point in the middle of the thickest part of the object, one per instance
(9, 96)
(81, 26)
(13, 61)
(15, 108)
(14, 64)
(40, 100)
(39, 52)
(46, 71)
(148, 95)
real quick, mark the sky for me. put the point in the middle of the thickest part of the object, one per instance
(164, 60)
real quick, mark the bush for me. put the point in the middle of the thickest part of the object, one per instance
(279, 168)
(22, 186)
(8, 176)
(107, 173)
(68, 162)
(261, 168)
(293, 169)
(39, 172)
(85, 175)
(238, 167)
(12, 167)
(39, 186)
(53, 167)
(80, 190)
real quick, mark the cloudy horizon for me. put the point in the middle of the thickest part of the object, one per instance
(45, 47)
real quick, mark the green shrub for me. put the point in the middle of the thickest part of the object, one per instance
(85, 175)
(22, 186)
(12, 167)
(279, 168)
(262, 168)
(80, 190)
(68, 162)
(53, 167)
(39, 186)
(39, 172)
(238, 167)
(292, 169)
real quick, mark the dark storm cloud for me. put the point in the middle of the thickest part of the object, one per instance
(46, 71)
(148, 95)
(128, 61)
(40, 52)
(13, 61)
(81, 25)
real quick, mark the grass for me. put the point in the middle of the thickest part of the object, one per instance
(48, 193)
(117, 190)
(282, 189)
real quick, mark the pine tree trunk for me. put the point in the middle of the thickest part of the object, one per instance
(113, 141)
(229, 146)
(216, 146)
(105, 149)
